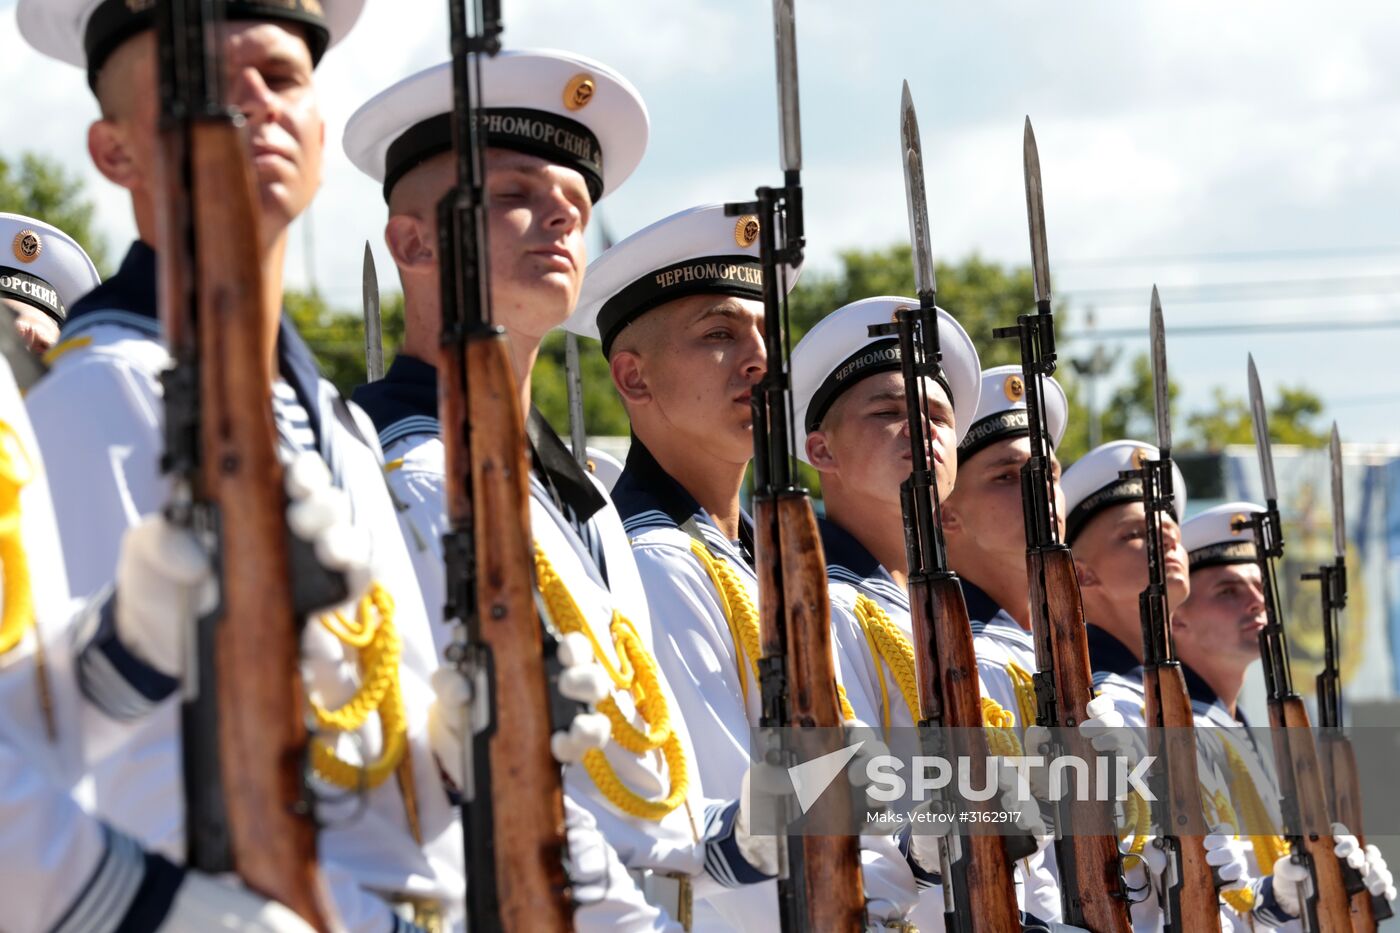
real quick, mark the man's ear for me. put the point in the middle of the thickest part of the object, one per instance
(409, 242)
(108, 148)
(1087, 576)
(627, 376)
(952, 521)
(819, 453)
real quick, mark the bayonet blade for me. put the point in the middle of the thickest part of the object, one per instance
(1339, 518)
(1261, 434)
(1160, 386)
(1035, 213)
(789, 119)
(916, 199)
(374, 335)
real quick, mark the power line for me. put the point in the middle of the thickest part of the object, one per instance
(1271, 290)
(1319, 326)
(1266, 255)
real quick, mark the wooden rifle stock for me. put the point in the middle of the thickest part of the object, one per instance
(1089, 872)
(823, 890)
(258, 708)
(940, 622)
(1296, 752)
(1339, 774)
(1168, 707)
(517, 861)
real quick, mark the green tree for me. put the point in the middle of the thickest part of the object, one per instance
(1293, 415)
(39, 186)
(337, 338)
(1293, 419)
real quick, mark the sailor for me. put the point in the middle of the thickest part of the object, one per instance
(1106, 525)
(986, 532)
(540, 199)
(388, 825)
(1216, 630)
(849, 407)
(678, 309)
(41, 264)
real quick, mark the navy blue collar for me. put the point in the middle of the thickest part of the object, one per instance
(843, 550)
(1108, 655)
(132, 291)
(645, 486)
(410, 389)
(980, 606)
(407, 390)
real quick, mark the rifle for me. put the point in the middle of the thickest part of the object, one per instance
(1191, 900)
(979, 888)
(244, 711)
(819, 880)
(512, 798)
(1325, 903)
(1338, 757)
(1092, 889)
(374, 327)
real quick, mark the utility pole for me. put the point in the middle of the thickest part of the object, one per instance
(1097, 364)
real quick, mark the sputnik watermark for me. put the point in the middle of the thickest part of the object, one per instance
(1113, 778)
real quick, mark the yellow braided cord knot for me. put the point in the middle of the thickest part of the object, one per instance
(1268, 847)
(739, 612)
(16, 470)
(636, 672)
(373, 635)
(888, 644)
(1000, 725)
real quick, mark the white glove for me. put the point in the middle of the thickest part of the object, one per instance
(1105, 729)
(924, 845)
(581, 680)
(1289, 881)
(1348, 849)
(759, 851)
(772, 782)
(164, 580)
(1226, 855)
(1379, 880)
(204, 904)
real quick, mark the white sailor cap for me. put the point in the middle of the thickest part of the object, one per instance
(607, 468)
(556, 105)
(1214, 537)
(86, 32)
(1001, 411)
(43, 266)
(697, 251)
(839, 352)
(1093, 483)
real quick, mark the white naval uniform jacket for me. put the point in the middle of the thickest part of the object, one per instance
(580, 532)
(709, 674)
(1216, 730)
(99, 417)
(61, 869)
(852, 571)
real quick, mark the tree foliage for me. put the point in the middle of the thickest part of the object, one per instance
(39, 186)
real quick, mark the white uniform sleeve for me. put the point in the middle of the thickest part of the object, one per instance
(98, 421)
(695, 651)
(62, 870)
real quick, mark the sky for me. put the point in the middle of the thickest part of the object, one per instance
(1241, 156)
